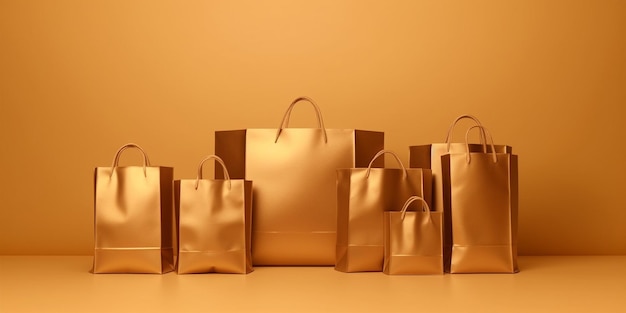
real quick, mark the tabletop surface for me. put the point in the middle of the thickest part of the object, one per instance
(544, 284)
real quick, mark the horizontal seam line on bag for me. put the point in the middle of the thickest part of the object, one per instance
(137, 248)
(295, 232)
(419, 255)
(212, 252)
(505, 245)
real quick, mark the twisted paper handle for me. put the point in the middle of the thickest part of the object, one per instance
(380, 153)
(483, 139)
(425, 207)
(218, 160)
(484, 131)
(285, 122)
(116, 159)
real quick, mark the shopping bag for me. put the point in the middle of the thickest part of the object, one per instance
(413, 240)
(481, 193)
(295, 194)
(214, 228)
(429, 156)
(134, 218)
(363, 195)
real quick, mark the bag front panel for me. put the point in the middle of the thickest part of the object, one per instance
(128, 220)
(294, 209)
(482, 198)
(212, 227)
(413, 245)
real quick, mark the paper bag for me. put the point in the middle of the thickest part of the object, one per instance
(363, 194)
(429, 156)
(214, 224)
(134, 218)
(481, 194)
(413, 241)
(295, 194)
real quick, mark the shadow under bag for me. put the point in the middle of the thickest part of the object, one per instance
(134, 218)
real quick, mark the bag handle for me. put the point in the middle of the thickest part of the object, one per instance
(484, 131)
(380, 153)
(218, 160)
(425, 207)
(483, 139)
(318, 112)
(116, 159)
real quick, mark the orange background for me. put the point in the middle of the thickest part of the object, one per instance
(80, 78)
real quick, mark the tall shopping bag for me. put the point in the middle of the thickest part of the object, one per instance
(481, 194)
(134, 221)
(294, 213)
(413, 240)
(429, 156)
(363, 195)
(214, 228)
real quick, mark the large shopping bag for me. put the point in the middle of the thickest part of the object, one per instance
(413, 240)
(429, 156)
(134, 218)
(295, 193)
(214, 228)
(363, 195)
(481, 194)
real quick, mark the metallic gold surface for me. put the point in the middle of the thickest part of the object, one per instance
(363, 194)
(134, 218)
(482, 196)
(214, 224)
(413, 241)
(295, 194)
(429, 156)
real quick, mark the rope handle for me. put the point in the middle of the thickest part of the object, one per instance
(483, 139)
(425, 207)
(116, 159)
(483, 131)
(380, 153)
(285, 122)
(218, 160)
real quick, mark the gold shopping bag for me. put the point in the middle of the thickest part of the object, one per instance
(295, 194)
(429, 156)
(482, 196)
(363, 195)
(134, 218)
(413, 241)
(214, 223)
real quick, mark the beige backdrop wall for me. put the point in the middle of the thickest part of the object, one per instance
(80, 78)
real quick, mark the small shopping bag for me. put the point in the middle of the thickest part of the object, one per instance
(363, 195)
(413, 241)
(481, 195)
(134, 218)
(214, 223)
